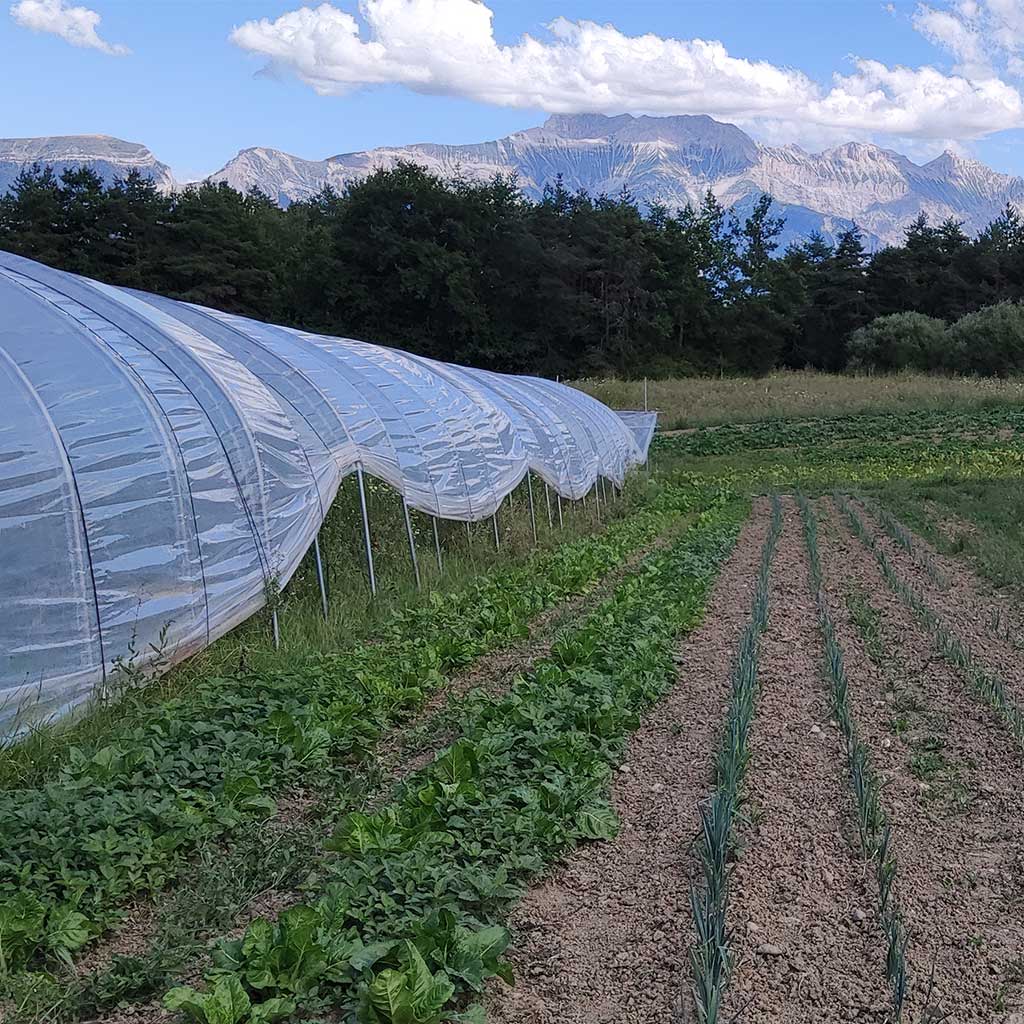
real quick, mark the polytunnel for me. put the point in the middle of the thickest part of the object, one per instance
(163, 464)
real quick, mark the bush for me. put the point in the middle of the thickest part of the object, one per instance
(990, 341)
(900, 341)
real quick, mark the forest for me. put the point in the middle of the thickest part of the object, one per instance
(570, 284)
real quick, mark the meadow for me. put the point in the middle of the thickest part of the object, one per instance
(744, 743)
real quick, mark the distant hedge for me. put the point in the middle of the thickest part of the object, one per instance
(989, 341)
(900, 341)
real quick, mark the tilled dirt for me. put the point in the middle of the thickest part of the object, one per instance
(806, 938)
(952, 794)
(604, 937)
(988, 624)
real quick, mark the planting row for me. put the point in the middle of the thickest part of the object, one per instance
(122, 820)
(407, 917)
(710, 954)
(987, 684)
(860, 462)
(753, 911)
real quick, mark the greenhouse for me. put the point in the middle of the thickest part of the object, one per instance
(164, 466)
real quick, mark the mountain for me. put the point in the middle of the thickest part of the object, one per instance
(109, 157)
(675, 160)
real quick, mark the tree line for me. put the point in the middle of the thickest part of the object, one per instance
(477, 273)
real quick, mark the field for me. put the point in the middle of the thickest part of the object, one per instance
(746, 747)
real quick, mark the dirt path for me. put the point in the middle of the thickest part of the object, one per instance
(952, 794)
(603, 939)
(799, 888)
(988, 624)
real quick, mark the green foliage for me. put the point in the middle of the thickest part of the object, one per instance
(986, 522)
(900, 341)
(227, 1002)
(825, 431)
(989, 341)
(407, 922)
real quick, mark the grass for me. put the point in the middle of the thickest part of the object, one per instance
(982, 520)
(711, 401)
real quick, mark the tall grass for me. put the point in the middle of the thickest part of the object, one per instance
(709, 401)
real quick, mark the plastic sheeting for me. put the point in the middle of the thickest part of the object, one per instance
(162, 464)
(643, 425)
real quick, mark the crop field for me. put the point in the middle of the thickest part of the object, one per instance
(745, 744)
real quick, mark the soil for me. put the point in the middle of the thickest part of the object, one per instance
(604, 937)
(952, 796)
(807, 943)
(987, 623)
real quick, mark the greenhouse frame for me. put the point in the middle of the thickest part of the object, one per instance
(162, 464)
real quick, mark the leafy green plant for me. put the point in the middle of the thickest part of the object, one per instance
(122, 820)
(407, 923)
(227, 1002)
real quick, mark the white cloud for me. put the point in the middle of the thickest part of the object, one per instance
(76, 25)
(959, 35)
(448, 47)
(983, 35)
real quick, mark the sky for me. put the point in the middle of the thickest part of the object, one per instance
(198, 80)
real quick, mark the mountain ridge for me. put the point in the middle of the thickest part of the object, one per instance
(109, 156)
(671, 160)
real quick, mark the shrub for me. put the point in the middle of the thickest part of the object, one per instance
(990, 341)
(900, 341)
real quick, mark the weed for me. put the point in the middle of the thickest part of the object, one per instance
(926, 765)
(899, 724)
(867, 619)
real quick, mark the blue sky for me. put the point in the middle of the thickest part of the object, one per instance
(429, 70)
